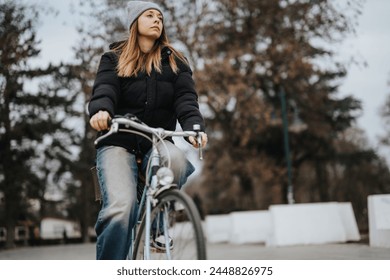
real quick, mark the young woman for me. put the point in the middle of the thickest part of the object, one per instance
(144, 76)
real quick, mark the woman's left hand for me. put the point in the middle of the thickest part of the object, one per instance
(195, 143)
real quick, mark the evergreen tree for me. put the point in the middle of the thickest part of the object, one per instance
(35, 138)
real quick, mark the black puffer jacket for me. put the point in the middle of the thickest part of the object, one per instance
(159, 100)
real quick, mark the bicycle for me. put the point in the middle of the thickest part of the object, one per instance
(164, 210)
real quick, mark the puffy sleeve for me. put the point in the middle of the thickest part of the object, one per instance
(106, 88)
(186, 99)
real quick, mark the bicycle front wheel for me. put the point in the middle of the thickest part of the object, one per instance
(176, 223)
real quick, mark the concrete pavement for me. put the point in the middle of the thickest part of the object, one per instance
(222, 251)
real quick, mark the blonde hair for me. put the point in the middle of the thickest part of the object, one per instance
(133, 61)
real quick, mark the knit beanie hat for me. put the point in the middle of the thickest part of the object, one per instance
(136, 8)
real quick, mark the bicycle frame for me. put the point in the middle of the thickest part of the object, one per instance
(154, 164)
(133, 125)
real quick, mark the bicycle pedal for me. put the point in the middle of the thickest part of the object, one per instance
(159, 246)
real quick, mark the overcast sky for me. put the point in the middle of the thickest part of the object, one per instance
(371, 45)
(370, 84)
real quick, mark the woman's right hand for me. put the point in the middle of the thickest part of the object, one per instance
(99, 121)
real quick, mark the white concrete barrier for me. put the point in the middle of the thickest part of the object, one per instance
(296, 224)
(306, 223)
(349, 221)
(250, 227)
(379, 220)
(217, 228)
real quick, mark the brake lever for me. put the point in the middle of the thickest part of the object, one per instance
(196, 128)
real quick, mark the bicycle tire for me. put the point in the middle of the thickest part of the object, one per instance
(185, 229)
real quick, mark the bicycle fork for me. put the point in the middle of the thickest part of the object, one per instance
(154, 163)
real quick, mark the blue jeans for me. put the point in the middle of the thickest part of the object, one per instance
(118, 174)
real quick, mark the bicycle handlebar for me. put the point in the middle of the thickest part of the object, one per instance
(118, 122)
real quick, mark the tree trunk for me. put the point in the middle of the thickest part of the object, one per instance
(11, 203)
(322, 181)
(11, 219)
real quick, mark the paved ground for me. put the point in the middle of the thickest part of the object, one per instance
(346, 251)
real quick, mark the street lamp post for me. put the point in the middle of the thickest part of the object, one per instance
(290, 188)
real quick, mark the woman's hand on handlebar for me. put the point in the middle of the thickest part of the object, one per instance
(100, 121)
(194, 142)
